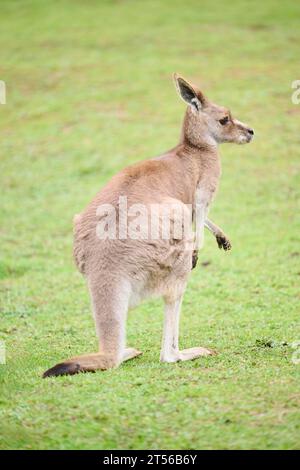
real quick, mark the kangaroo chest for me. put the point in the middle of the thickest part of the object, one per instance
(207, 185)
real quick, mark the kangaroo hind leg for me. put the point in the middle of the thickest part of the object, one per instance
(110, 306)
(170, 349)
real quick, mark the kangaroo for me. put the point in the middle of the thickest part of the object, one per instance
(121, 271)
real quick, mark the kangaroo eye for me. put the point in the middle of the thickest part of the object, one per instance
(224, 120)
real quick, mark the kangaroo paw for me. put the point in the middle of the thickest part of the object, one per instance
(223, 242)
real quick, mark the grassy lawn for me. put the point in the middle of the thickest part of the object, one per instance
(89, 91)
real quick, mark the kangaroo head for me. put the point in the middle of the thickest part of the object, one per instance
(206, 122)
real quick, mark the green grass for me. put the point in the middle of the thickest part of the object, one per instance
(89, 91)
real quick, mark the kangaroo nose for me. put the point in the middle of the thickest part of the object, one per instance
(251, 131)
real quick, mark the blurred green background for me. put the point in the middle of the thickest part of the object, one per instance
(89, 91)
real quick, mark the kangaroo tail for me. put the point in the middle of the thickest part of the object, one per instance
(86, 363)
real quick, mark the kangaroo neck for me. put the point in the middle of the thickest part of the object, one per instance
(203, 159)
(197, 168)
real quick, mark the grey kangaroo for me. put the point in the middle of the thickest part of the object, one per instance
(122, 271)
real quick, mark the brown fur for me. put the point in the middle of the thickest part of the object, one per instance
(120, 273)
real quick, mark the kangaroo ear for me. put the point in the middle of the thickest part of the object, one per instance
(189, 93)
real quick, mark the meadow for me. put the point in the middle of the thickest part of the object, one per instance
(89, 91)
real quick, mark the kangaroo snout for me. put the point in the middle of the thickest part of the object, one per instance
(250, 134)
(245, 133)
